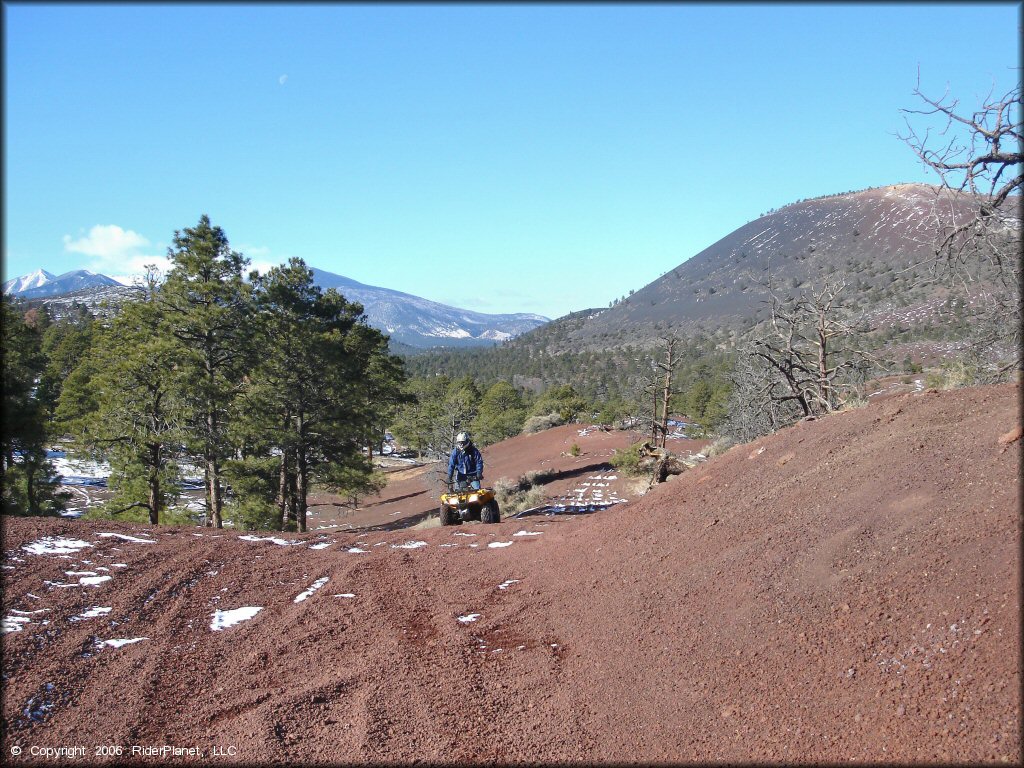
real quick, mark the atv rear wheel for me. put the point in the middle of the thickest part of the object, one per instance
(490, 512)
(448, 516)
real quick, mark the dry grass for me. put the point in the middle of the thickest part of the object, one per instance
(523, 493)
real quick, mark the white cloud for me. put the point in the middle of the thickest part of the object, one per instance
(252, 251)
(263, 267)
(106, 241)
(117, 252)
(282, 79)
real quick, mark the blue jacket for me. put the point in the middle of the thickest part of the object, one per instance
(468, 462)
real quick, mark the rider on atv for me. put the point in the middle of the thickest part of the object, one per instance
(465, 462)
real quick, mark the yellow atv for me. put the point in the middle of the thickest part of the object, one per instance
(462, 503)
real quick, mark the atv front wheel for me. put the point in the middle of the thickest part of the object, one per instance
(448, 516)
(490, 512)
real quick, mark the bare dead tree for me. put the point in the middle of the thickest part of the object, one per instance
(664, 392)
(755, 405)
(811, 359)
(986, 163)
(806, 348)
(979, 160)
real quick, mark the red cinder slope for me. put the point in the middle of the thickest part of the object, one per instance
(844, 590)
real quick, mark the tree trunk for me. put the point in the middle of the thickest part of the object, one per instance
(154, 484)
(213, 491)
(824, 393)
(666, 395)
(31, 468)
(654, 417)
(302, 477)
(208, 522)
(292, 522)
(282, 503)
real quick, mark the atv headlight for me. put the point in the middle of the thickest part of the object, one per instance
(472, 498)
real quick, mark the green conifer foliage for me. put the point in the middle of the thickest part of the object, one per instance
(206, 308)
(312, 396)
(501, 414)
(27, 477)
(122, 404)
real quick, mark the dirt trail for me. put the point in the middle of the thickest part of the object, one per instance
(845, 590)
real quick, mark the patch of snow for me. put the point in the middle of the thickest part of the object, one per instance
(119, 643)
(410, 545)
(499, 544)
(271, 539)
(127, 538)
(30, 613)
(495, 335)
(459, 533)
(13, 623)
(508, 584)
(93, 581)
(92, 613)
(528, 533)
(356, 550)
(346, 594)
(312, 588)
(119, 565)
(321, 545)
(59, 584)
(469, 618)
(55, 545)
(79, 573)
(223, 619)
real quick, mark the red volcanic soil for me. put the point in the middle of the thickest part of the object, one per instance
(845, 590)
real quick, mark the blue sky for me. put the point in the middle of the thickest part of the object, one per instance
(501, 158)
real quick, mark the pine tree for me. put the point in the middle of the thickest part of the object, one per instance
(205, 304)
(64, 344)
(501, 414)
(122, 404)
(27, 476)
(307, 395)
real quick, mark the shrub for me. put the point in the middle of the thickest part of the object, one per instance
(540, 423)
(574, 450)
(629, 460)
(953, 375)
(719, 446)
(537, 477)
(516, 495)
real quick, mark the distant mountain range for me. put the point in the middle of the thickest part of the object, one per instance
(421, 323)
(409, 320)
(41, 283)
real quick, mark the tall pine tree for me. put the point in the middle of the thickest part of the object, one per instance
(308, 395)
(27, 476)
(205, 304)
(122, 404)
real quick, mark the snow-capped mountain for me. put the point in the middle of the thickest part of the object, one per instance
(407, 319)
(420, 322)
(41, 283)
(19, 285)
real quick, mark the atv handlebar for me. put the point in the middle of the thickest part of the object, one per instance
(454, 485)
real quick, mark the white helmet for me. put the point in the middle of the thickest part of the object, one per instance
(462, 439)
